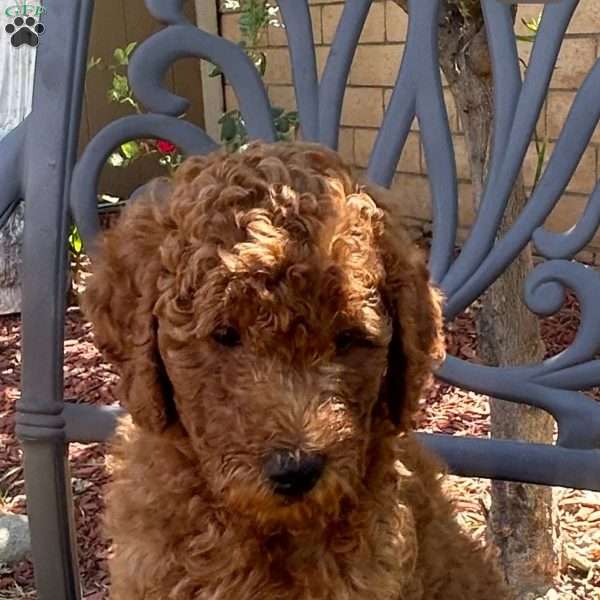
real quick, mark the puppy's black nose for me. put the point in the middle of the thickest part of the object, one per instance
(293, 474)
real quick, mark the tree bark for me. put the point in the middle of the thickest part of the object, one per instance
(10, 263)
(521, 522)
(522, 517)
(16, 86)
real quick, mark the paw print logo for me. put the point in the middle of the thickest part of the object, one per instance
(24, 31)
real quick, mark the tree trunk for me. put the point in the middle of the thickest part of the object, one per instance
(523, 517)
(10, 263)
(16, 85)
(521, 520)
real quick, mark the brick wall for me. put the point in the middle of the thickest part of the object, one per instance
(370, 85)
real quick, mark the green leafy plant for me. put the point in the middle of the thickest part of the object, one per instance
(255, 16)
(167, 153)
(541, 148)
(541, 143)
(235, 136)
(532, 26)
(120, 92)
(76, 262)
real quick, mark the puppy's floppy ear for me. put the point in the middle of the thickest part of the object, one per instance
(415, 308)
(119, 301)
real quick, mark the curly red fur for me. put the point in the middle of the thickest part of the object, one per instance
(282, 246)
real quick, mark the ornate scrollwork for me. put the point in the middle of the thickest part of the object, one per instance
(555, 385)
(147, 68)
(189, 138)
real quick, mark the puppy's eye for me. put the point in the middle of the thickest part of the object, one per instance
(227, 336)
(351, 338)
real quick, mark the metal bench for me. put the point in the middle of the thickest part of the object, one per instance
(38, 163)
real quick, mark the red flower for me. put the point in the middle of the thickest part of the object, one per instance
(165, 147)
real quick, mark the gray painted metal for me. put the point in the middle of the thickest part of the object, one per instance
(37, 161)
(48, 153)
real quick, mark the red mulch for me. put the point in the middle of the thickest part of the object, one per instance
(446, 410)
(90, 379)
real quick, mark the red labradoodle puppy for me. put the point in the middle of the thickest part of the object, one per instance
(274, 328)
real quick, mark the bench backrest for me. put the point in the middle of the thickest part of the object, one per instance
(38, 162)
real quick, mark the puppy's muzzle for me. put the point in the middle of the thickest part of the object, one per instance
(293, 474)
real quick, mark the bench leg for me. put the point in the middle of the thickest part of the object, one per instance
(50, 510)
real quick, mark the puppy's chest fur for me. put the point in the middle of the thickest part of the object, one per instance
(304, 568)
(166, 537)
